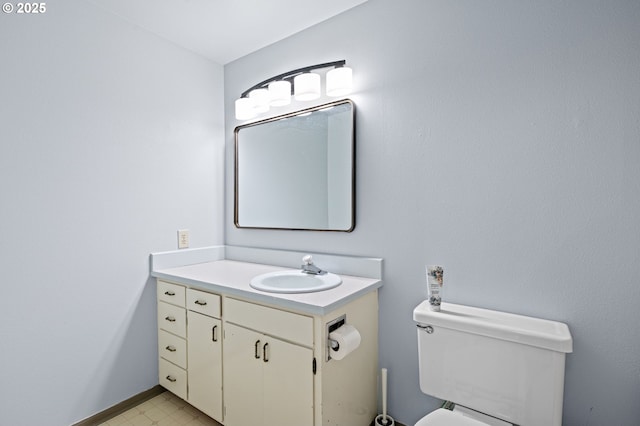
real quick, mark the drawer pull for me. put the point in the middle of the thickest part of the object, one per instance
(214, 333)
(264, 353)
(170, 293)
(201, 303)
(172, 379)
(256, 350)
(170, 318)
(171, 348)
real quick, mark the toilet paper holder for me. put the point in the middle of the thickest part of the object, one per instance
(331, 326)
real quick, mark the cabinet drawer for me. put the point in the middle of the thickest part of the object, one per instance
(172, 319)
(286, 325)
(172, 348)
(203, 302)
(173, 378)
(171, 293)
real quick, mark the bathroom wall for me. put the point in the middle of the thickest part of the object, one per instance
(111, 139)
(502, 140)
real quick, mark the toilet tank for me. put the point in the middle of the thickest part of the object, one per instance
(504, 365)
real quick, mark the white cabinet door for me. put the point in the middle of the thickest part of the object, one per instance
(242, 376)
(205, 363)
(288, 384)
(267, 381)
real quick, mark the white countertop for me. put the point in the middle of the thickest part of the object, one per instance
(232, 278)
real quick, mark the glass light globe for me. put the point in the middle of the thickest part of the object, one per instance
(306, 86)
(244, 109)
(280, 93)
(339, 81)
(260, 98)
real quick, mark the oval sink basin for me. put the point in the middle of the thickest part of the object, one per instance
(294, 282)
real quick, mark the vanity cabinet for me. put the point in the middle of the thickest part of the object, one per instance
(250, 362)
(265, 369)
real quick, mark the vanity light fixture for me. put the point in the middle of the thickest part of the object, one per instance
(302, 83)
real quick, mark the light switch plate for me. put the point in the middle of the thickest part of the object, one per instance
(183, 238)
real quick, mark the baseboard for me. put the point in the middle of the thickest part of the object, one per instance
(121, 407)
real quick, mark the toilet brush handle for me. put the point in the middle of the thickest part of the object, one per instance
(384, 393)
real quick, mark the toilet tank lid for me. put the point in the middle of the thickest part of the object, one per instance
(537, 332)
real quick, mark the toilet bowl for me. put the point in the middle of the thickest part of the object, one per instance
(497, 368)
(442, 417)
(459, 416)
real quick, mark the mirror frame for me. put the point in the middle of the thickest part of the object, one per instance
(289, 115)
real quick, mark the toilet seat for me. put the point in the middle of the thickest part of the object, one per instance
(444, 417)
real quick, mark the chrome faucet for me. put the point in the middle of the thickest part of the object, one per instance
(309, 268)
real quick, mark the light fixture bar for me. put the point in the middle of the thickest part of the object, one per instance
(302, 84)
(289, 75)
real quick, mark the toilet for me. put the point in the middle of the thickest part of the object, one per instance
(497, 368)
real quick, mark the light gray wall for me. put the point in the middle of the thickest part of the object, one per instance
(502, 140)
(111, 139)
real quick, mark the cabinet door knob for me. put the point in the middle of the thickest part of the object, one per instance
(256, 350)
(170, 318)
(171, 348)
(171, 379)
(200, 302)
(169, 293)
(214, 334)
(264, 353)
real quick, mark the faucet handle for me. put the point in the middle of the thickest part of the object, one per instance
(308, 260)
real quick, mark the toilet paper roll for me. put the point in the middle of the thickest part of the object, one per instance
(348, 339)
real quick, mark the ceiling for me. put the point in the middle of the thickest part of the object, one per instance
(225, 30)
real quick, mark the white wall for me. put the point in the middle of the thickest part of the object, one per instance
(500, 139)
(110, 141)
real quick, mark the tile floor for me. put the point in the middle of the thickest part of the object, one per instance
(165, 409)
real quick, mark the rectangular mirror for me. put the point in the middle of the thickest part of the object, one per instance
(297, 171)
